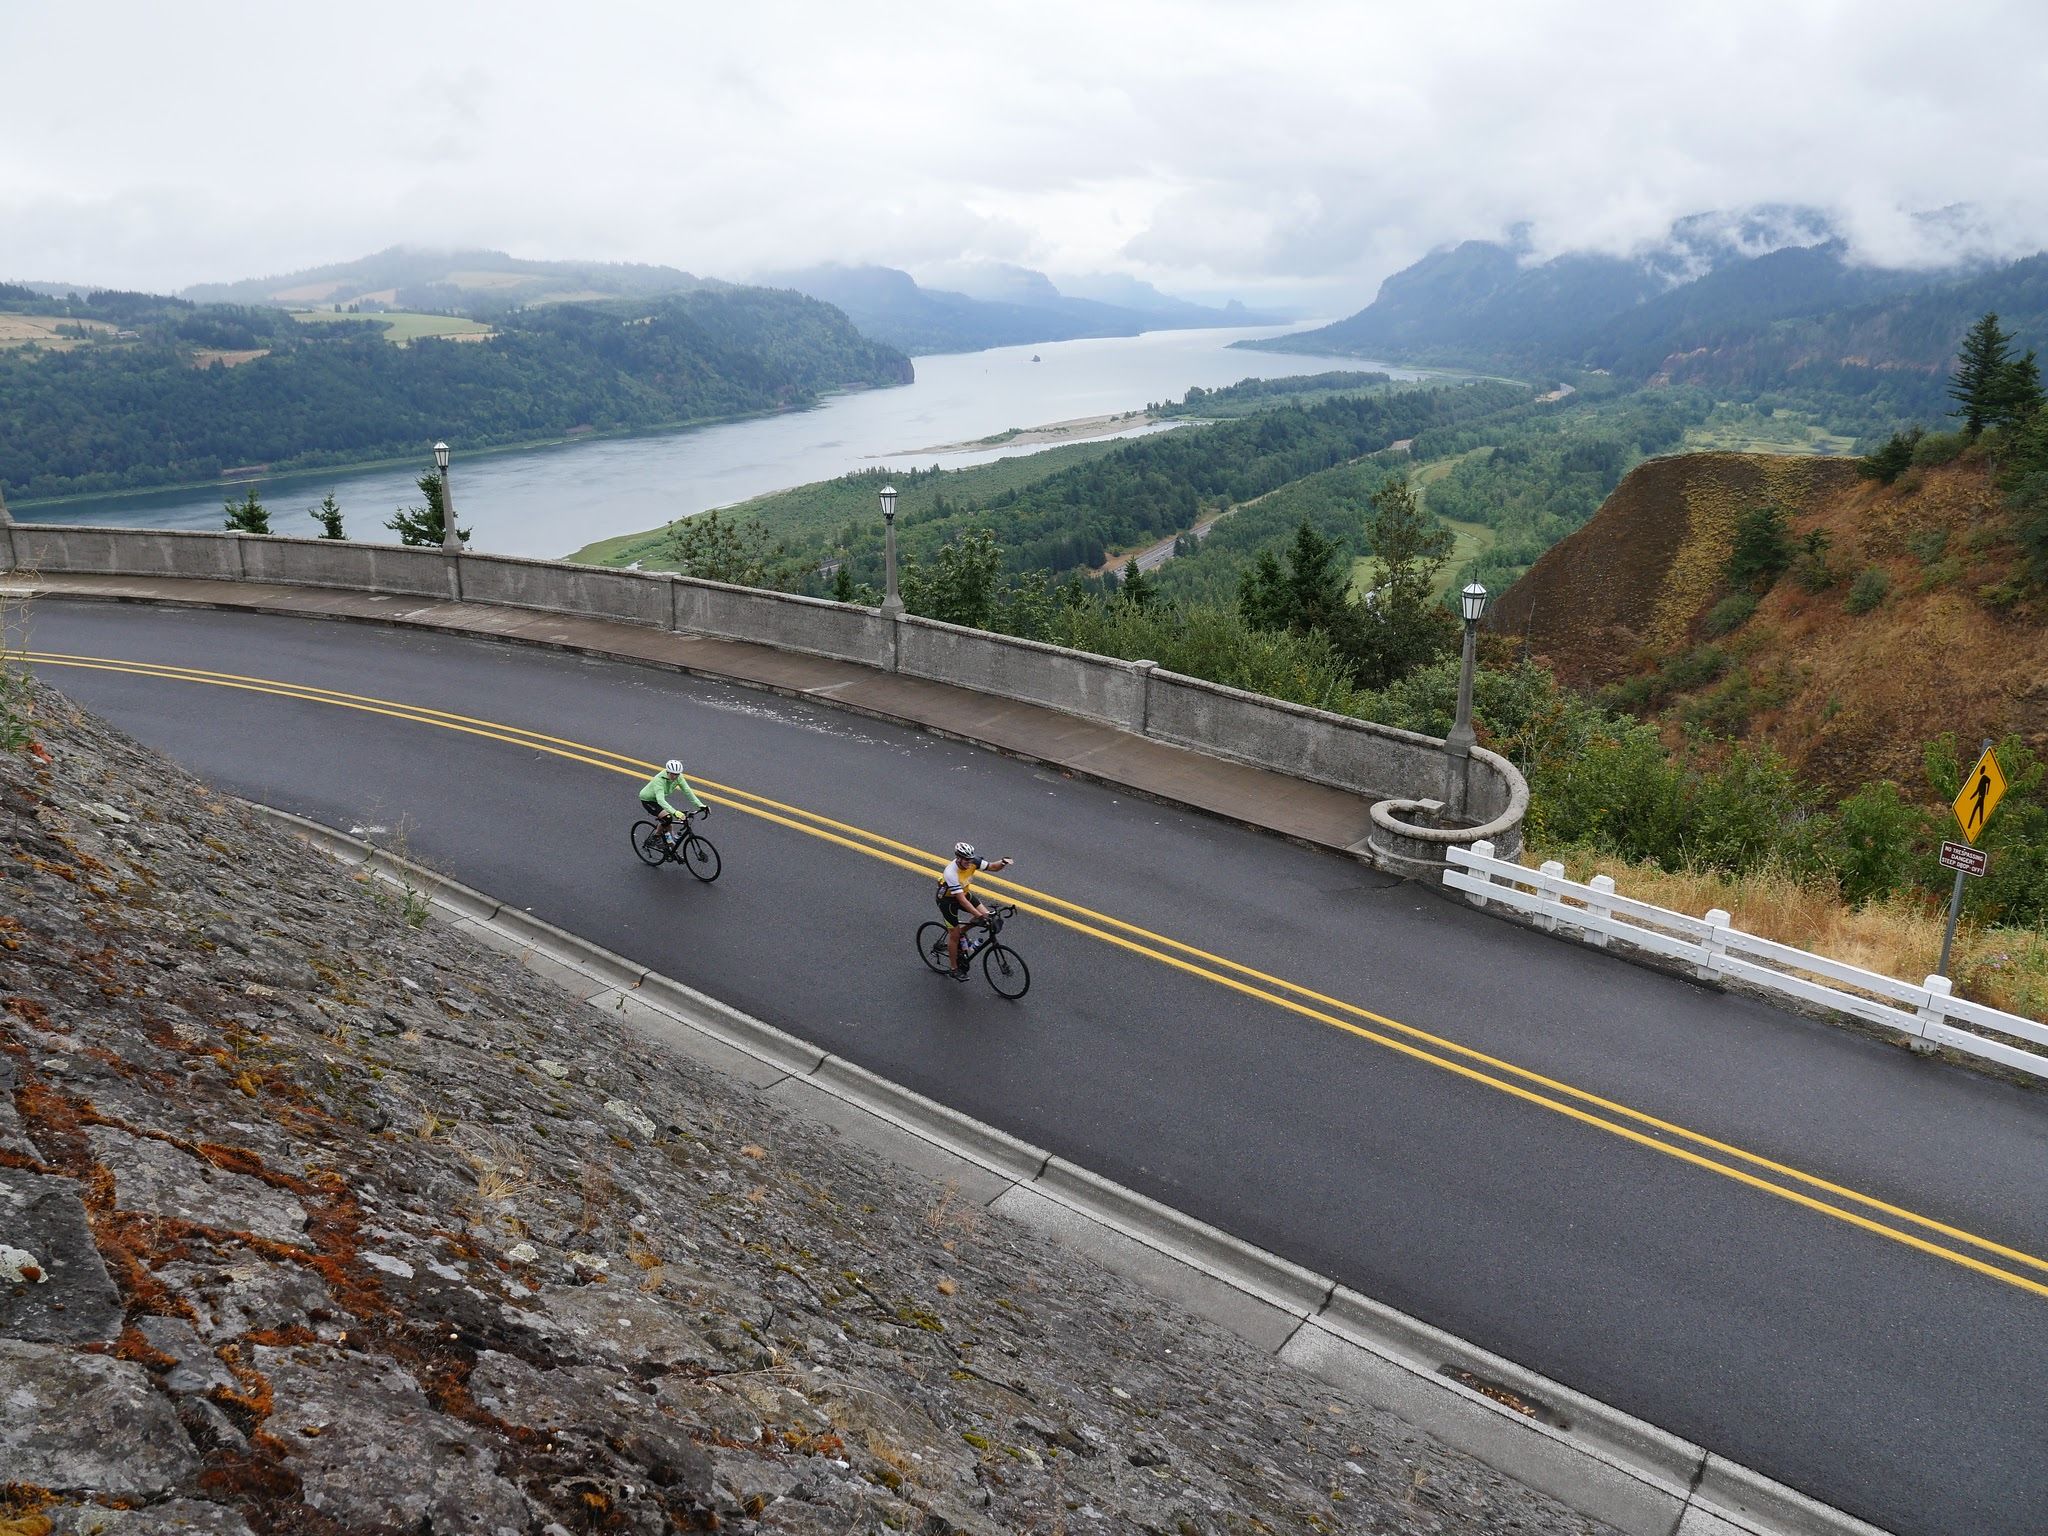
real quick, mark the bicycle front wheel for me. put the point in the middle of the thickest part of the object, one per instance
(701, 858)
(1006, 971)
(647, 842)
(931, 947)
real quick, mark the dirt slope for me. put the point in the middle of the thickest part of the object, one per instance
(1955, 644)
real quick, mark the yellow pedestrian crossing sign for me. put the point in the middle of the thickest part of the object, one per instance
(1982, 791)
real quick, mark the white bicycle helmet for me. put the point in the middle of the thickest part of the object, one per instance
(963, 850)
(673, 768)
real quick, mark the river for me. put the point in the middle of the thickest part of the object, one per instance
(549, 501)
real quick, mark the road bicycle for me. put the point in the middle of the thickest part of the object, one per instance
(687, 847)
(1002, 965)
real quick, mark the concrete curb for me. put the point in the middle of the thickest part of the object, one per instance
(1590, 1457)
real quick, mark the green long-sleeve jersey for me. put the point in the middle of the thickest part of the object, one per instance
(656, 792)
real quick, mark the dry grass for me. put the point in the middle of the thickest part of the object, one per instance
(599, 1193)
(948, 1211)
(1901, 936)
(500, 1173)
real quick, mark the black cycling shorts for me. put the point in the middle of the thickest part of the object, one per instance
(657, 812)
(951, 909)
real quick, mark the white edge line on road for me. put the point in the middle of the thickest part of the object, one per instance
(1596, 1460)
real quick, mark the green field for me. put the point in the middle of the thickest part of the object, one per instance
(401, 325)
(1745, 429)
(813, 515)
(1474, 540)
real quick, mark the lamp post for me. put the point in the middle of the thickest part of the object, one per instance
(1458, 745)
(451, 541)
(892, 600)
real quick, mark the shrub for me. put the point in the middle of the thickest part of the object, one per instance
(1216, 644)
(1694, 669)
(1893, 459)
(1929, 545)
(1868, 591)
(1622, 792)
(1877, 841)
(1937, 448)
(1730, 613)
(1814, 571)
(1743, 813)
(1763, 549)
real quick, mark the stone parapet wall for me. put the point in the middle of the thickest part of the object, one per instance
(1374, 761)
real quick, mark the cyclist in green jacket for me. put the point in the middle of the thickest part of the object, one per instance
(654, 798)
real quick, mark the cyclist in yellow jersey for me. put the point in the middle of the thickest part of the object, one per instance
(956, 902)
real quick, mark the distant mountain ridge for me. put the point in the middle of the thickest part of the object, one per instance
(1011, 306)
(406, 277)
(1760, 299)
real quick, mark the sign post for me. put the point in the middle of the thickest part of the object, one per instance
(1983, 787)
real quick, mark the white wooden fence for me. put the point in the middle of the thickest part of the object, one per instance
(1925, 1013)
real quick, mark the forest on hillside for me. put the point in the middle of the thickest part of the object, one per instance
(154, 391)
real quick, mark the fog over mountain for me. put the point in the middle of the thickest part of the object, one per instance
(1291, 155)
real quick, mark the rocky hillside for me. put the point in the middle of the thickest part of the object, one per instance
(1907, 623)
(315, 1217)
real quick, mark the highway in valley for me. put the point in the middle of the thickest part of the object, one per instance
(1805, 1249)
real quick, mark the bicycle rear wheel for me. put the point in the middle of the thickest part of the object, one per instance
(647, 842)
(1006, 971)
(931, 947)
(700, 858)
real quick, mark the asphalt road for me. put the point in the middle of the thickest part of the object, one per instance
(1807, 1250)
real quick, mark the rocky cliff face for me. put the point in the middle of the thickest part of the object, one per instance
(316, 1218)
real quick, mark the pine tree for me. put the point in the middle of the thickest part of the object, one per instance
(1983, 375)
(1893, 459)
(1137, 587)
(423, 525)
(1407, 625)
(2018, 393)
(248, 515)
(328, 516)
(1312, 590)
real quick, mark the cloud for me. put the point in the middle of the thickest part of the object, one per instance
(1297, 145)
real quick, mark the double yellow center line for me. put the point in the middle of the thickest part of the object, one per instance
(1881, 1218)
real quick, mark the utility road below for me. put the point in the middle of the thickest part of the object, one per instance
(1806, 1250)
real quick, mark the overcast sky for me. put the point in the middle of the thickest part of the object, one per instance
(1268, 149)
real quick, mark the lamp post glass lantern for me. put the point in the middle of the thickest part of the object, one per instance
(892, 600)
(1473, 600)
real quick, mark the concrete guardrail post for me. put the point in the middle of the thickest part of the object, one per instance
(895, 638)
(1713, 946)
(1141, 710)
(241, 555)
(452, 558)
(1931, 1012)
(6, 536)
